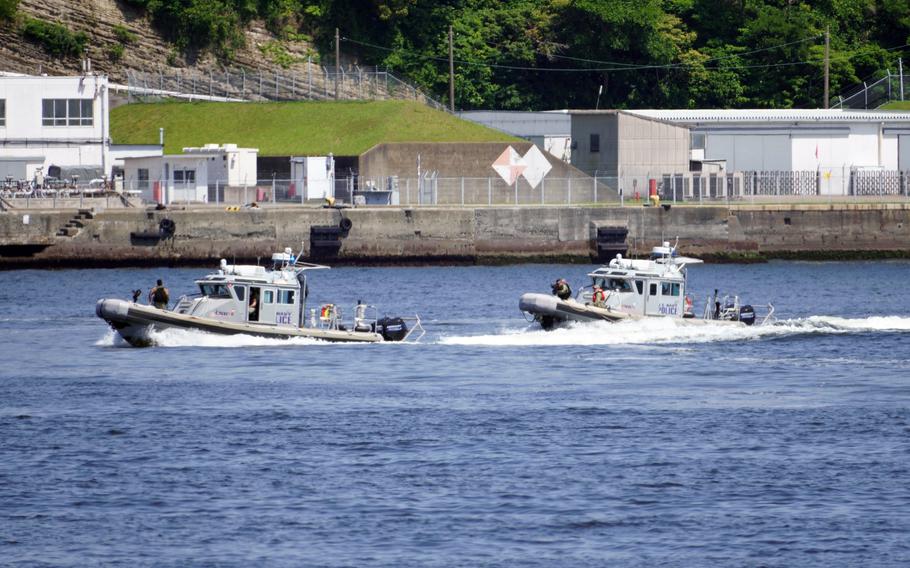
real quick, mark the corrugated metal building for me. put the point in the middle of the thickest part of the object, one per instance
(795, 140)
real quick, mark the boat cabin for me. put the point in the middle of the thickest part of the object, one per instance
(252, 294)
(654, 287)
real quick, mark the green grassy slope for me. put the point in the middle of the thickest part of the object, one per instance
(897, 105)
(295, 128)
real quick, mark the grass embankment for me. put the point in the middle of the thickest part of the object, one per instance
(294, 128)
(897, 105)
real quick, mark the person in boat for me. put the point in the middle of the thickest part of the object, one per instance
(599, 297)
(254, 307)
(561, 289)
(159, 296)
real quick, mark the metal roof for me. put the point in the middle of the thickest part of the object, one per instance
(695, 116)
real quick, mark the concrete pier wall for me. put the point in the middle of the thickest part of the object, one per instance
(495, 234)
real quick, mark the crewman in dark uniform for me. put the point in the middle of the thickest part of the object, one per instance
(561, 289)
(159, 296)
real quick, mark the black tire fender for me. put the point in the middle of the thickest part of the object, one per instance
(345, 224)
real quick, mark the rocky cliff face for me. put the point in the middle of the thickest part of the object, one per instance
(149, 52)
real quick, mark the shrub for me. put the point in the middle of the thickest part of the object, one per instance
(56, 39)
(8, 9)
(115, 52)
(124, 35)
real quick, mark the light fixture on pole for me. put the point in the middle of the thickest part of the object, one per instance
(600, 90)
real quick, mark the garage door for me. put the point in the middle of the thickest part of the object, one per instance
(903, 152)
(12, 168)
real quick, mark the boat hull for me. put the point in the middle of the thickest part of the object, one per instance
(135, 322)
(552, 312)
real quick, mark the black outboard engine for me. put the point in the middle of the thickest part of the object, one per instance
(392, 329)
(747, 314)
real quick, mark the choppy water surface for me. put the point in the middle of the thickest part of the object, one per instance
(489, 444)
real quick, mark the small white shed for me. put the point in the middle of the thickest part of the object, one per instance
(313, 177)
(168, 179)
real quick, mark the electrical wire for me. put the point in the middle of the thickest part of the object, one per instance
(633, 67)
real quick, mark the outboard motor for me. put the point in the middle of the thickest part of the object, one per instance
(392, 329)
(747, 315)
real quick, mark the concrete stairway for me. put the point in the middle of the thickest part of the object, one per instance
(75, 225)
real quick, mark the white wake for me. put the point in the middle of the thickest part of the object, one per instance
(666, 330)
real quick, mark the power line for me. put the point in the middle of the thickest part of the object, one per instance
(631, 67)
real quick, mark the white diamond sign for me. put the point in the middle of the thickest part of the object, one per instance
(537, 166)
(509, 165)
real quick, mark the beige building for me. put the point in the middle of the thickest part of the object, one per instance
(609, 143)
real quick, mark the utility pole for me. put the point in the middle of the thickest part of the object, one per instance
(827, 62)
(338, 61)
(451, 73)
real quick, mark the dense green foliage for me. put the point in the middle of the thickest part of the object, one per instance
(529, 54)
(56, 39)
(299, 128)
(8, 9)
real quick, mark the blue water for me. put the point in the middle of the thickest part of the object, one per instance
(488, 444)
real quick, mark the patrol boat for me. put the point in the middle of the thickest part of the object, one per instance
(628, 289)
(253, 300)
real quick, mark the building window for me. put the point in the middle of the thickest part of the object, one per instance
(2, 112)
(185, 176)
(697, 141)
(595, 143)
(143, 179)
(67, 112)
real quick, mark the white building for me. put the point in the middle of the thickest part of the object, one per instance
(829, 141)
(187, 177)
(312, 177)
(228, 164)
(53, 121)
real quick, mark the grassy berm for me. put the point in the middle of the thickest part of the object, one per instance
(294, 128)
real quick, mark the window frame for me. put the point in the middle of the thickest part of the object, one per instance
(595, 143)
(68, 112)
(2, 113)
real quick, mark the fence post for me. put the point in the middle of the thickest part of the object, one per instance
(407, 190)
(569, 193)
(260, 83)
(277, 77)
(309, 76)
(217, 197)
(462, 191)
(516, 192)
(273, 189)
(595, 190)
(489, 191)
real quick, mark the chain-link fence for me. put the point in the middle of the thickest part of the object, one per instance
(431, 190)
(314, 83)
(874, 94)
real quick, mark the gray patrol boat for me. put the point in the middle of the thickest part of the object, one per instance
(630, 289)
(253, 300)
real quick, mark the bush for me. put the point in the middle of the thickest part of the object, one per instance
(124, 35)
(56, 39)
(115, 52)
(8, 9)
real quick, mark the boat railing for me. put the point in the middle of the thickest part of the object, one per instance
(185, 302)
(415, 328)
(767, 317)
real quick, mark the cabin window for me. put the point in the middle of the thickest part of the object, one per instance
(285, 296)
(215, 290)
(640, 285)
(268, 297)
(669, 289)
(619, 285)
(653, 288)
(241, 292)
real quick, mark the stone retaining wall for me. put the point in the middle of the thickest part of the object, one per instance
(494, 234)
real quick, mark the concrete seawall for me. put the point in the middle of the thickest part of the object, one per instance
(493, 234)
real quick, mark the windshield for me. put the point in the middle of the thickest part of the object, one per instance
(215, 290)
(613, 284)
